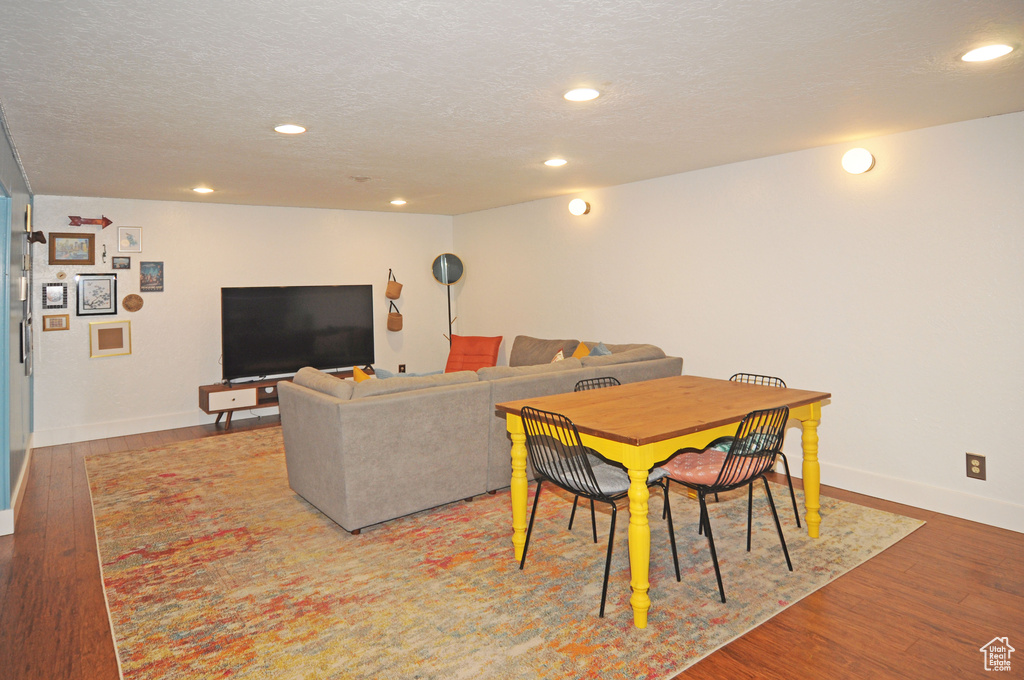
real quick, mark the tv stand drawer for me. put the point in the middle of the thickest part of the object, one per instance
(232, 399)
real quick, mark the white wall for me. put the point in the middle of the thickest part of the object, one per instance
(900, 291)
(176, 335)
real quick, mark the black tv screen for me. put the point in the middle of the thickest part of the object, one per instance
(276, 330)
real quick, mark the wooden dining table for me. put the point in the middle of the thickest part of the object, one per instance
(641, 425)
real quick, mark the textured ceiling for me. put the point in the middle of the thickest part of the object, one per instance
(454, 105)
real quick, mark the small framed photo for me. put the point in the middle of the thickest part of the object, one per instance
(72, 248)
(129, 239)
(56, 322)
(97, 294)
(151, 277)
(55, 296)
(117, 262)
(109, 338)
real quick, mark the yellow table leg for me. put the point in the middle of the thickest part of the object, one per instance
(639, 546)
(812, 470)
(519, 484)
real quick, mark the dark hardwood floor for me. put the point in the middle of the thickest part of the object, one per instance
(921, 609)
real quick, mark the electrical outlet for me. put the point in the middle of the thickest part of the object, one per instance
(401, 368)
(975, 466)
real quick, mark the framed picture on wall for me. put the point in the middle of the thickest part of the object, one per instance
(97, 294)
(129, 239)
(55, 295)
(72, 248)
(56, 322)
(117, 262)
(109, 338)
(151, 277)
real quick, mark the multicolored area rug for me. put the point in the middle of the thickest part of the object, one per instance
(214, 568)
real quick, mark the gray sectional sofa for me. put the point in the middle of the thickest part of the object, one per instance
(364, 453)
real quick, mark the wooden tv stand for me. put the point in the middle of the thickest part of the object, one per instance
(221, 399)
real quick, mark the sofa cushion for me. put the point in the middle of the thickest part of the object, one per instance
(498, 372)
(371, 388)
(323, 383)
(470, 352)
(638, 353)
(527, 351)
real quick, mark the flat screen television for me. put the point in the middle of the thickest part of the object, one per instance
(275, 330)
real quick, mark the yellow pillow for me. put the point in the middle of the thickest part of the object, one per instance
(581, 351)
(359, 375)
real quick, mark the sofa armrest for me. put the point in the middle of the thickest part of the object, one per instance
(372, 459)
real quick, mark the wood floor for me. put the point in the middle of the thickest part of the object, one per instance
(921, 609)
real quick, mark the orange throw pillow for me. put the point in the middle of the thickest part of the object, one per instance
(470, 352)
(359, 375)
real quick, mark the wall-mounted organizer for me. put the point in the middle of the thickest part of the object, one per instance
(394, 318)
(394, 290)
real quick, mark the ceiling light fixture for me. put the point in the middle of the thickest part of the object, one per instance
(858, 161)
(582, 94)
(555, 162)
(987, 53)
(578, 206)
(398, 201)
(289, 129)
(203, 190)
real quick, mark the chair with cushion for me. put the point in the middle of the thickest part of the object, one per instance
(557, 455)
(583, 386)
(750, 454)
(471, 352)
(755, 379)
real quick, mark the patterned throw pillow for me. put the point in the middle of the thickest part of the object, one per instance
(558, 357)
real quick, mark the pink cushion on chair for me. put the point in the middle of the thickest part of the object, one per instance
(696, 468)
(470, 352)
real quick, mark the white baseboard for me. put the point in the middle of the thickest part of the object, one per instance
(9, 517)
(937, 499)
(122, 428)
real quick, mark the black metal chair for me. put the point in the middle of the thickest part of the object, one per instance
(751, 453)
(558, 456)
(596, 383)
(770, 381)
(583, 386)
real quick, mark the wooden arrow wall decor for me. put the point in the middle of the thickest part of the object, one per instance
(77, 221)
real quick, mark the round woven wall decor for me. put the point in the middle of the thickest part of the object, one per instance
(132, 303)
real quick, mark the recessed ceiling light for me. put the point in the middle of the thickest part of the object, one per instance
(203, 190)
(398, 201)
(582, 94)
(290, 129)
(987, 53)
(555, 162)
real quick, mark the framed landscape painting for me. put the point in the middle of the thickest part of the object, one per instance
(72, 248)
(97, 294)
